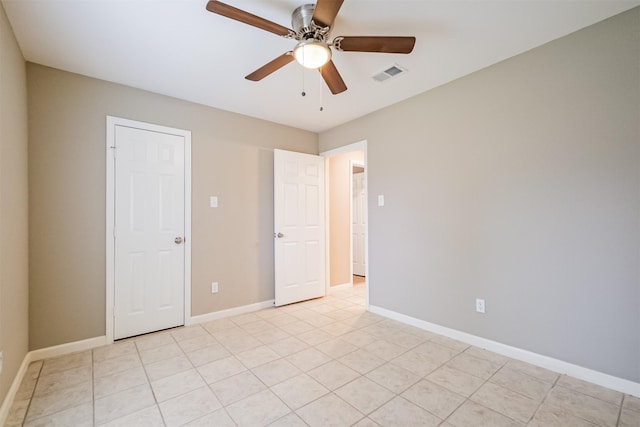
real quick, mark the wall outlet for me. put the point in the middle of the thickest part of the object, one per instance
(214, 287)
(480, 305)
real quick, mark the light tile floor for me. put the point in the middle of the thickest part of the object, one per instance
(325, 362)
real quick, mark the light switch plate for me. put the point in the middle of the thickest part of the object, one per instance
(213, 201)
(381, 200)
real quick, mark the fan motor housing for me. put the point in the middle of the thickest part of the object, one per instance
(301, 21)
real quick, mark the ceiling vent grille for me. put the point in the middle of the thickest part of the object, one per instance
(393, 71)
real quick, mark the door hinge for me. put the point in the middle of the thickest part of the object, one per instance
(113, 150)
(114, 232)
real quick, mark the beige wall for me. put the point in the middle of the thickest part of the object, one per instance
(519, 184)
(340, 216)
(232, 158)
(14, 284)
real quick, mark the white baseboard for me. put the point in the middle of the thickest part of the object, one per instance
(40, 354)
(202, 318)
(560, 366)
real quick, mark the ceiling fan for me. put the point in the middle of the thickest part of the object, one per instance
(311, 27)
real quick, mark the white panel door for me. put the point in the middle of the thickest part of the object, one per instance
(299, 227)
(149, 231)
(358, 225)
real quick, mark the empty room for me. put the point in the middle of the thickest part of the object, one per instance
(346, 213)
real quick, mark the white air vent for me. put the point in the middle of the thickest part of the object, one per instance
(393, 71)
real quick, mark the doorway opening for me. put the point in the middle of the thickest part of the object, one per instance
(346, 217)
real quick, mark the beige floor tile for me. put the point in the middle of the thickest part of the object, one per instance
(480, 368)
(299, 390)
(471, 414)
(148, 417)
(404, 339)
(276, 371)
(364, 395)
(237, 387)
(329, 410)
(243, 319)
(434, 398)
(481, 353)
(320, 320)
(174, 385)
(115, 365)
(590, 389)
(288, 346)
(418, 363)
(147, 342)
(208, 354)
(384, 349)
(308, 359)
(61, 380)
(48, 404)
(241, 344)
(333, 374)
(450, 343)
(257, 327)
(197, 343)
(362, 361)
(336, 347)
(337, 329)
(218, 418)
(315, 337)
(506, 402)
(296, 328)
(189, 407)
(17, 413)
(289, 420)
(257, 356)
(230, 334)
(400, 412)
(218, 325)
(114, 350)
(366, 422)
(534, 371)
(553, 417)
(259, 409)
(120, 404)
(163, 352)
(188, 333)
(631, 402)
(104, 386)
(271, 336)
(359, 338)
(521, 383)
(583, 406)
(168, 367)
(78, 416)
(629, 418)
(393, 377)
(455, 380)
(64, 363)
(437, 354)
(221, 369)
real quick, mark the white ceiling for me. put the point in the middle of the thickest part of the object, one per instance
(178, 48)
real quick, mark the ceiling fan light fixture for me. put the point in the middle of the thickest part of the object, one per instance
(312, 53)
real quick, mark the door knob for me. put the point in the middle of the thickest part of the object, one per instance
(178, 240)
(279, 235)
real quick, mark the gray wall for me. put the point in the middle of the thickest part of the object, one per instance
(14, 284)
(519, 184)
(232, 158)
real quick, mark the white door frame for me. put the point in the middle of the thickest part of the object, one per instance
(353, 163)
(356, 146)
(112, 122)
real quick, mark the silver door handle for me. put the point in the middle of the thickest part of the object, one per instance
(178, 240)
(279, 235)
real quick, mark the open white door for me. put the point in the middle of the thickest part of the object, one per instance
(358, 224)
(149, 231)
(299, 227)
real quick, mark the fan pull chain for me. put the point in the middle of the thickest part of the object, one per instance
(303, 91)
(321, 91)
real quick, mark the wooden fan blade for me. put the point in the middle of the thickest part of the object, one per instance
(247, 18)
(332, 77)
(270, 67)
(325, 12)
(375, 44)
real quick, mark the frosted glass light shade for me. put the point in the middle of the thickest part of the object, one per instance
(312, 53)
